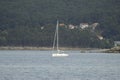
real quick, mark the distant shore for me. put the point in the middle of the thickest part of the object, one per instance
(38, 48)
(24, 48)
(41, 48)
(83, 50)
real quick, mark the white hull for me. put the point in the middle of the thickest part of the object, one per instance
(59, 55)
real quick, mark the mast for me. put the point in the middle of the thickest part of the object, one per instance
(57, 35)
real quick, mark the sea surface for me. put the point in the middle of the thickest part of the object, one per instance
(40, 65)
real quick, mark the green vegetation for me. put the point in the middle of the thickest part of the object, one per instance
(21, 22)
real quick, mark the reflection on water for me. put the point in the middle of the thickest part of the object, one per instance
(40, 65)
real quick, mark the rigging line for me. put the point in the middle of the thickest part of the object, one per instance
(57, 35)
(54, 38)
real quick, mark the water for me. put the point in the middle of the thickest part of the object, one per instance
(40, 65)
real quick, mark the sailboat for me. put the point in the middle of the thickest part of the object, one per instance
(58, 52)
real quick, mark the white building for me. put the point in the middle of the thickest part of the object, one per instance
(100, 37)
(94, 25)
(72, 26)
(116, 43)
(84, 25)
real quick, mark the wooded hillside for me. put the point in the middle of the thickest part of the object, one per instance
(21, 22)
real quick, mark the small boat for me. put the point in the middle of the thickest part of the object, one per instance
(58, 52)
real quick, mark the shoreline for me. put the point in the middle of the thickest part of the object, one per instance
(114, 50)
(41, 48)
(82, 50)
(24, 48)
